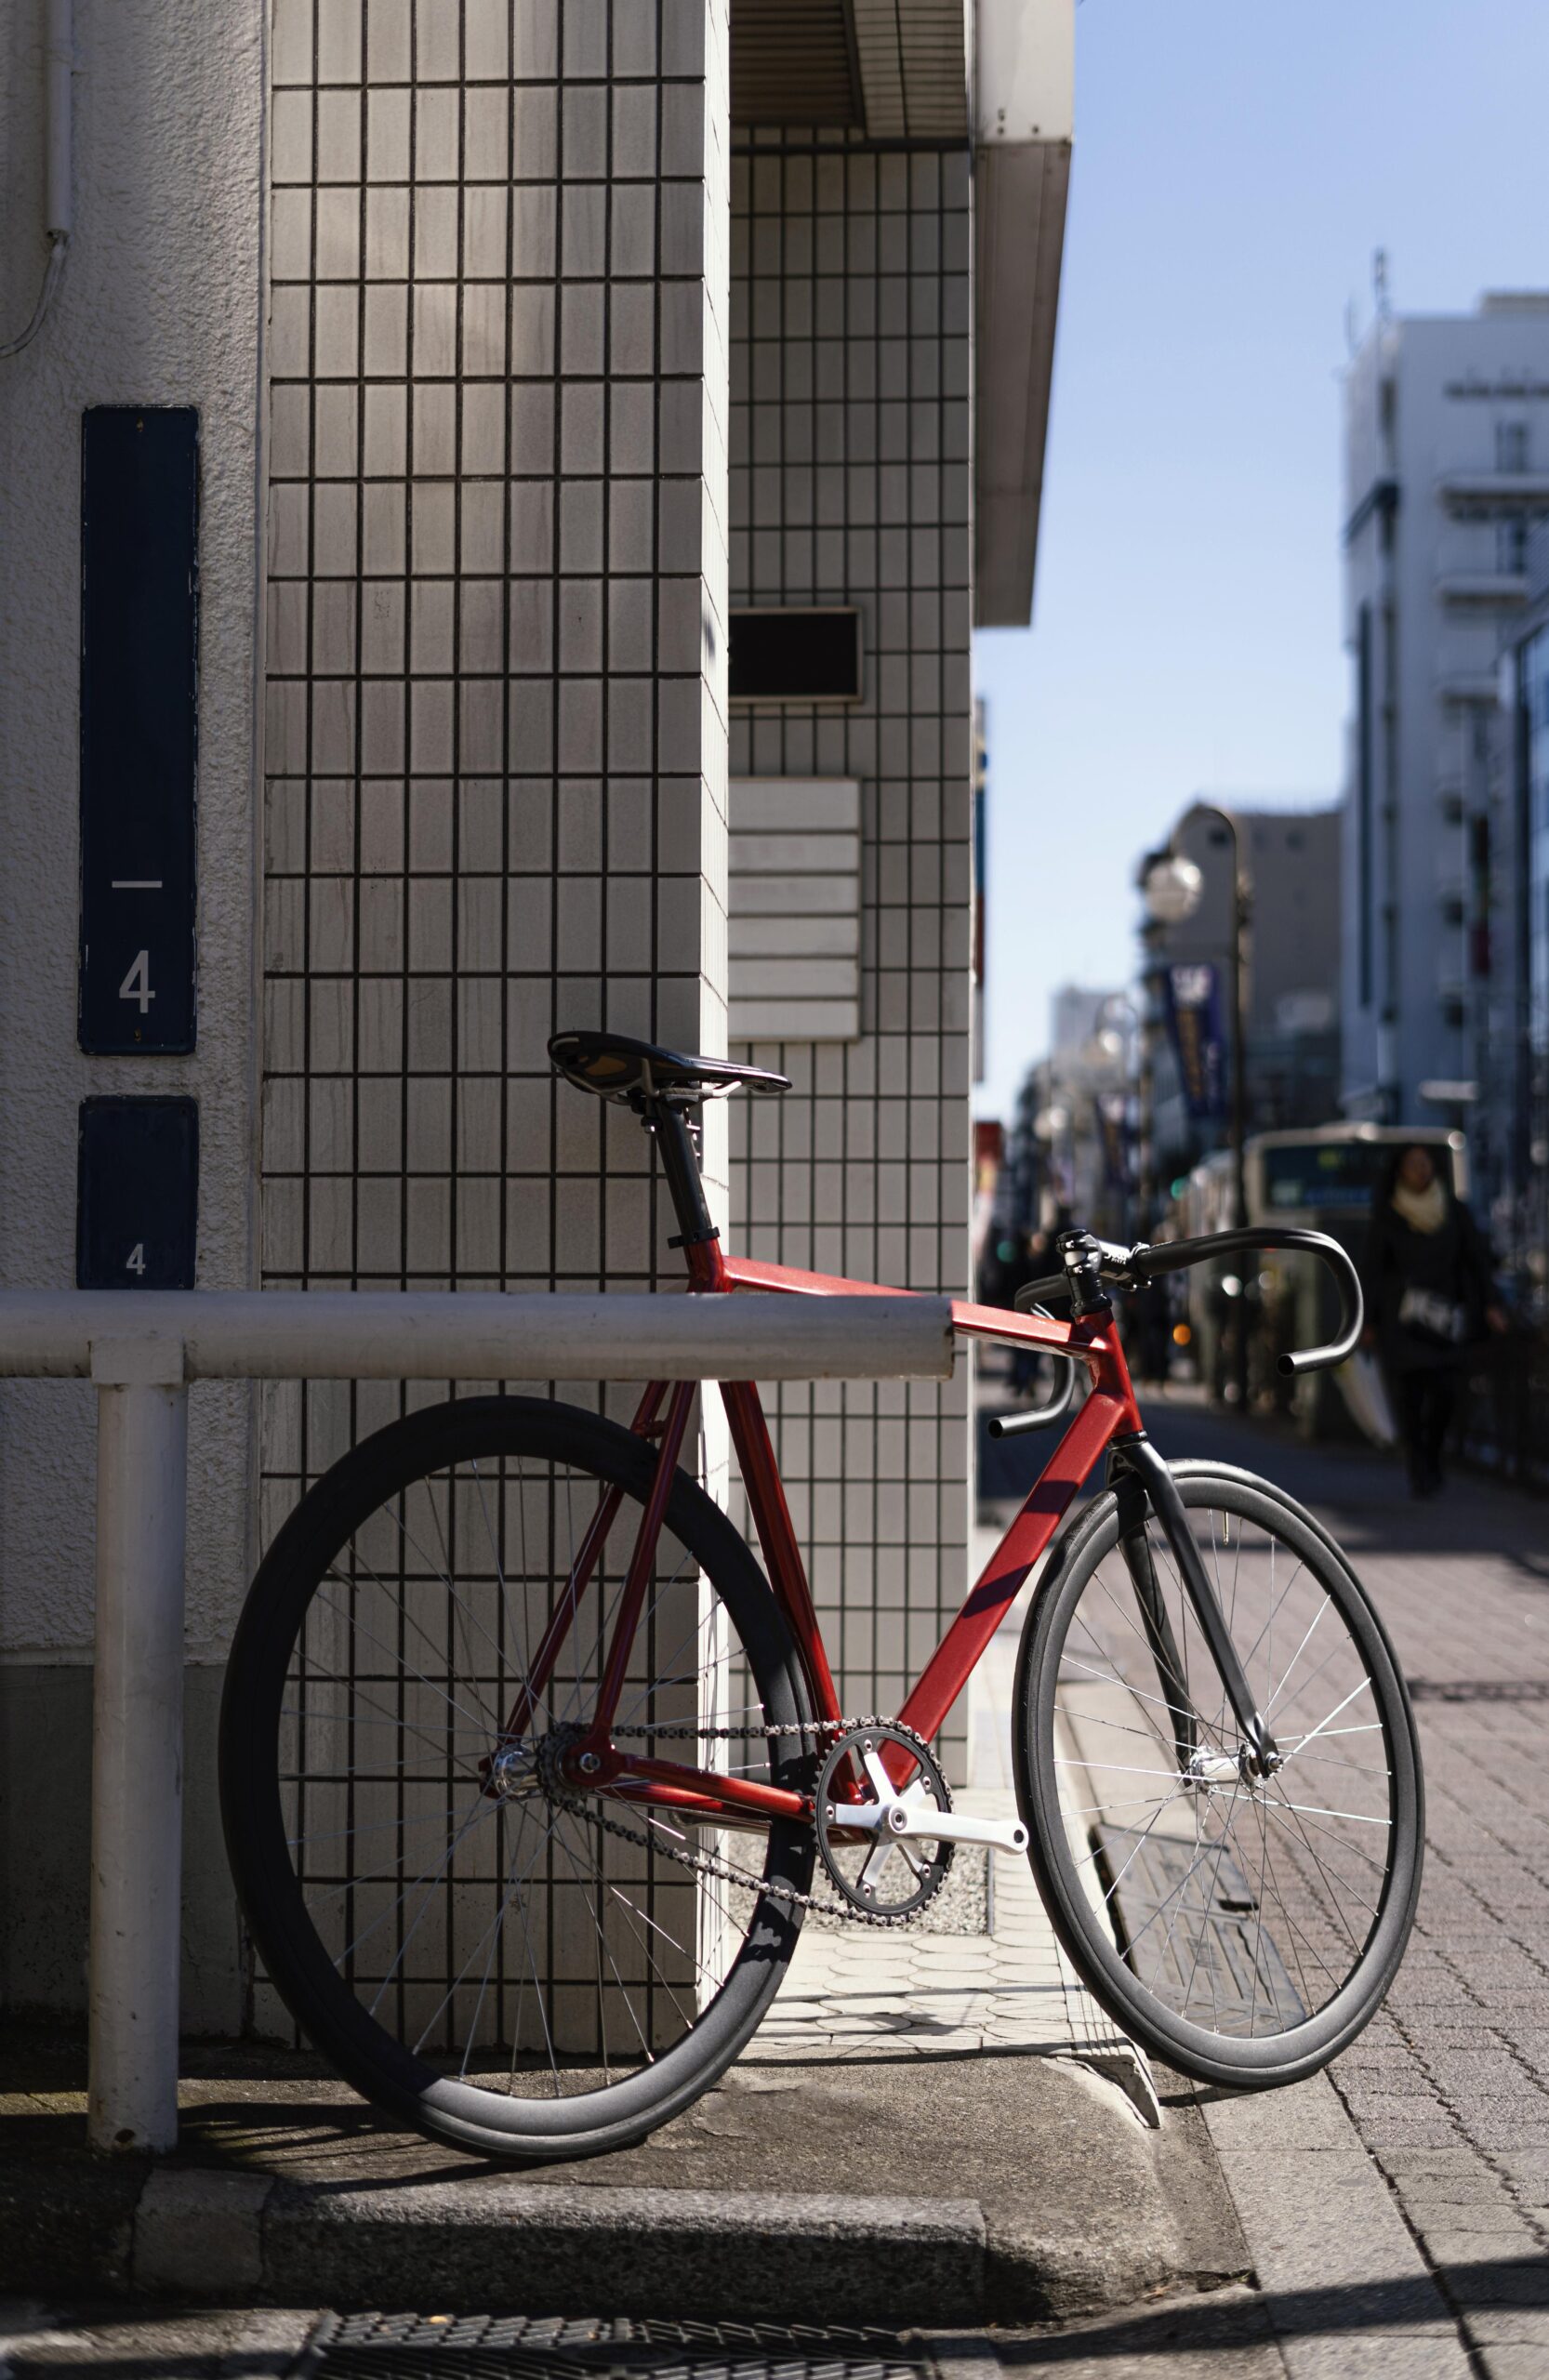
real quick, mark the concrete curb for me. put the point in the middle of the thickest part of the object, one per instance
(469, 2245)
(210, 2237)
(1037, 2194)
(215, 2238)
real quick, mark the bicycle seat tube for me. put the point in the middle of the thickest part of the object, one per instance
(668, 1122)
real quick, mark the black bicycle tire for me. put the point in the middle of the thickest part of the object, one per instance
(1273, 2060)
(380, 2067)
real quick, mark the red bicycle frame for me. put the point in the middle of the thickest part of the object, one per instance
(594, 1763)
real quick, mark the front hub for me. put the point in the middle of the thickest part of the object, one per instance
(1242, 1768)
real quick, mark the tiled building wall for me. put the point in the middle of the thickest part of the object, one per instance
(496, 728)
(850, 427)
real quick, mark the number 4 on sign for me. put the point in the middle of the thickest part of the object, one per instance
(137, 1258)
(137, 983)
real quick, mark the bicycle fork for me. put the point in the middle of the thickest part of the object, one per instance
(1145, 1482)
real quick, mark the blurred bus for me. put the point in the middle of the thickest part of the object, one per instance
(1319, 1179)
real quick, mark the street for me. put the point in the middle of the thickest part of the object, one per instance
(1446, 2088)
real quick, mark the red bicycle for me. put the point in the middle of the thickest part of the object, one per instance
(530, 1771)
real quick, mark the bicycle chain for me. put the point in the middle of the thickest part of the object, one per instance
(707, 1863)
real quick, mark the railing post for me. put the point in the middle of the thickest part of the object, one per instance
(137, 1764)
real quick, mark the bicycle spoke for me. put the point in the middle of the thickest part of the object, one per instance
(507, 1941)
(355, 1628)
(1237, 1900)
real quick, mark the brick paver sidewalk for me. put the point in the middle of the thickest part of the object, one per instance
(1448, 2088)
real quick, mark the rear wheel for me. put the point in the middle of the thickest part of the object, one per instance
(494, 1967)
(1243, 1928)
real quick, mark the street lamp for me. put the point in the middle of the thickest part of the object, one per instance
(1053, 1119)
(1172, 889)
(1106, 1058)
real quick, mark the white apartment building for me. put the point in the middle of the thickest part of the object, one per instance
(593, 430)
(1447, 465)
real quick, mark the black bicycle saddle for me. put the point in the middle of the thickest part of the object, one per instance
(615, 1067)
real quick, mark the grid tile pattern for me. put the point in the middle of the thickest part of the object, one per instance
(851, 460)
(495, 717)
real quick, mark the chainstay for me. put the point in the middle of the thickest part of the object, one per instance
(707, 1863)
(685, 1728)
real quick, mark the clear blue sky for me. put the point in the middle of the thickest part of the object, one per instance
(1237, 163)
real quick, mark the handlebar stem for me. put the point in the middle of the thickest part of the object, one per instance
(1083, 1258)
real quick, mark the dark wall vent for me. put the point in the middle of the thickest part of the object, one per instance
(785, 655)
(793, 61)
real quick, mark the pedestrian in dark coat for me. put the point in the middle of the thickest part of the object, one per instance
(1430, 1296)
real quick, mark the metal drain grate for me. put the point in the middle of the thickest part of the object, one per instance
(495, 2347)
(1195, 1936)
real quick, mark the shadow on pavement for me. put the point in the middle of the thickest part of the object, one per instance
(1209, 2322)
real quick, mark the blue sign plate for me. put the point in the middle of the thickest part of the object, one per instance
(139, 592)
(137, 1201)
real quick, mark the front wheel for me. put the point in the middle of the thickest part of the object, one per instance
(481, 1955)
(1243, 1928)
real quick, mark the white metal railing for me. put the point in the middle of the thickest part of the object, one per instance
(141, 1349)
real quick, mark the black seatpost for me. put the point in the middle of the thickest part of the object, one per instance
(681, 1165)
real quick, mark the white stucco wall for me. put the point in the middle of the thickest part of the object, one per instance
(159, 305)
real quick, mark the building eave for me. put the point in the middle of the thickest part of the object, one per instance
(890, 73)
(1020, 198)
(1024, 105)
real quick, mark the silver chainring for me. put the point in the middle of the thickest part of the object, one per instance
(880, 1872)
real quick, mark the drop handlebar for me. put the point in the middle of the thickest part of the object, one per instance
(1129, 1267)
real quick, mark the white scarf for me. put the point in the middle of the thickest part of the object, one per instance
(1423, 1210)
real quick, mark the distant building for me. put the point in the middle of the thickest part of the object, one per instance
(1076, 1015)
(1070, 1145)
(1290, 989)
(1447, 467)
(1517, 1092)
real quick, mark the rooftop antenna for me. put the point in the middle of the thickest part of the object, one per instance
(1352, 329)
(1379, 285)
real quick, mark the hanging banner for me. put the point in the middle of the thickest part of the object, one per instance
(1113, 1138)
(1199, 1042)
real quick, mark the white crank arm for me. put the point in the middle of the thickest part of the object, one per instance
(923, 1819)
(955, 1826)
